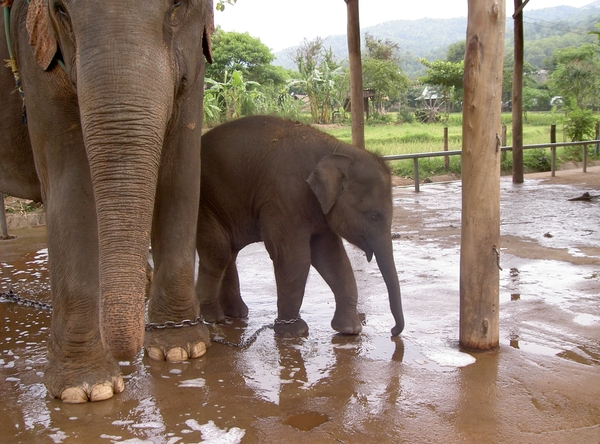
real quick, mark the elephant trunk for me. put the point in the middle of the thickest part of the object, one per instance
(385, 260)
(125, 106)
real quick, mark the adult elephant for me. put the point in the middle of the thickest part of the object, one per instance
(113, 100)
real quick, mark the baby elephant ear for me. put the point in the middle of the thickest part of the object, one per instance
(41, 34)
(327, 179)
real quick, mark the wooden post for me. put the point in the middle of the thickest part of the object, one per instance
(480, 233)
(503, 138)
(3, 225)
(517, 94)
(356, 82)
(446, 158)
(597, 137)
(416, 173)
(553, 151)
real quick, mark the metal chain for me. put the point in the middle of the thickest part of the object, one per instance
(246, 342)
(288, 321)
(12, 297)
(173, 324)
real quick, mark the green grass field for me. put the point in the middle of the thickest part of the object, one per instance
(409, 138)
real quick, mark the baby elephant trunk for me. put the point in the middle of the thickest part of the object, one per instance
(385, 261)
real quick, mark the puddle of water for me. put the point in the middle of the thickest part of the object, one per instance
(586, 319)
(306, 421)
(213, 434)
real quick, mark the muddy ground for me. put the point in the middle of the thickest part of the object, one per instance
(541, 386)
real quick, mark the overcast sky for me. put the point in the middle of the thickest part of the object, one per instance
(283, 23)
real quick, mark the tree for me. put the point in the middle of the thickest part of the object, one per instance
(575, 76)
(234, 96)
(381, 72)
(385, 78)
(320, 78)
(456, 52)
(220, 6)
(447, 75)
(535, 94)
(381, 49)
(234, 51)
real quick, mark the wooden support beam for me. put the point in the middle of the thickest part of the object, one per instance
(356, 80)
(3, 225)
(517, 94)
(480, 234)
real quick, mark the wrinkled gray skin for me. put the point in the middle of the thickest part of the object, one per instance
(115, 141)
(300, 191)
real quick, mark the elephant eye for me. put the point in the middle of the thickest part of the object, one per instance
(60, 10)
(176, 11)
(375, 217)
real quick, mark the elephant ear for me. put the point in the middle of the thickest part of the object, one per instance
(327, 179)
(209, 28)
(41, 34)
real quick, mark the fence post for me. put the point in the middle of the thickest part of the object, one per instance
(584, 158)
(446, 158)
(597, 137)
(553, 150)
(3, 225)
(503, 141)
(416, 172)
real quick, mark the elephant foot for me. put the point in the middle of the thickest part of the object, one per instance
(176, 345)
(297, 327)
(235, 309)
(212, 312)
(79, 382)
(347, 323)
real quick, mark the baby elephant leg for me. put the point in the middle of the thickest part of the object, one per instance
(212, 263)
(291, 264)
(329, 258)
(231, 300)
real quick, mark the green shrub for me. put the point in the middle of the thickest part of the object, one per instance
(405, 115)
(580, 125)
(537, 160)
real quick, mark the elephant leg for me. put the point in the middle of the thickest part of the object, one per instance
(291, 261)
(231, 300)
(213, 244)
(329, 258)
(172, 295)
(79, 369)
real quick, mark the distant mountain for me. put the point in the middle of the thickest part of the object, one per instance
(544, 30)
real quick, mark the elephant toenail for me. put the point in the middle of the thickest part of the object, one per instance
(177, 354)
(197, 350)
(102, 391)
(155, 353)
(74, 395)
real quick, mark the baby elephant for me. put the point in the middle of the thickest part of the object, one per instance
(300, 191)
